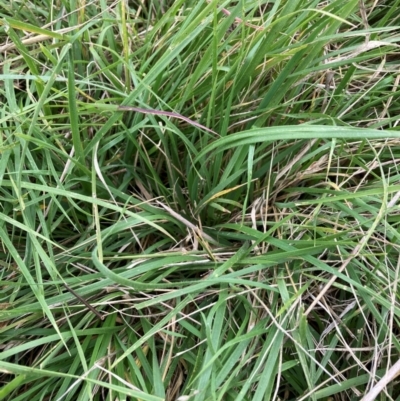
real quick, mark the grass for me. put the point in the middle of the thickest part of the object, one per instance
(199, 200)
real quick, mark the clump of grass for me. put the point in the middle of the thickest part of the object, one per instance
(199, 200)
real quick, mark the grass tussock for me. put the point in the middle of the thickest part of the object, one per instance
(199, 200)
